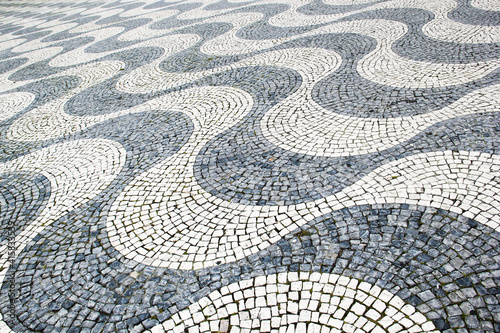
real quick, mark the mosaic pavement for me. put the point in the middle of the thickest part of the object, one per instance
(250, 166)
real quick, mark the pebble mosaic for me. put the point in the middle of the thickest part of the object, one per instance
(250, 166)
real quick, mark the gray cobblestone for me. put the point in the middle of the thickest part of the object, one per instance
(314, 166)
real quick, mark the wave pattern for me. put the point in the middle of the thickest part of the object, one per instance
(250, 166)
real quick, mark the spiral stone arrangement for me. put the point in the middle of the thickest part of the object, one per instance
(250, 166)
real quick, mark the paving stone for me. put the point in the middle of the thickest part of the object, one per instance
(249, 166)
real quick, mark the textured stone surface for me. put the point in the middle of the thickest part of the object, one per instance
(248, 166)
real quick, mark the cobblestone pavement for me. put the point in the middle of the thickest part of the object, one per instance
(250, 166)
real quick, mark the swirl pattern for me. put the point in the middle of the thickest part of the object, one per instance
(250, 166)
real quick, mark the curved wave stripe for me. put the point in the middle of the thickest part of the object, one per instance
(57, 26)
(35, 44)
(154, 15)
(441, 27)
(404, 227)
(6, 44)
(32, 56)
(382, 65)
(486, 4)
(184, 222)
(347, 2)
(98, 32)
(186, 227)
(79, 56)
(229, 43)
(144, 31)
(293, 18)
(170, 43)
(300, 125)
(22, 197)
(50, 120)
(11, 104)
(277, 301)
(203, 16)
(66, 10)
(77, 171)
(27, 22)
(463, 182)
(151, 78)
(171, 188)
(201, 12)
